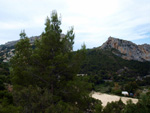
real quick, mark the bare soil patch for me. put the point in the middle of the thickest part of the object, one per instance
(105, 98)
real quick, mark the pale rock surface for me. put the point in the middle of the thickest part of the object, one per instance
(128, 50)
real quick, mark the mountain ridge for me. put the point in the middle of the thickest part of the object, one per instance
(12, 43)
(127, 49)
(122, 48)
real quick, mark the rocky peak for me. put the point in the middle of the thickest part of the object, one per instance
(127, 49)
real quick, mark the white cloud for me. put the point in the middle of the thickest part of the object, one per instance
(93, 20)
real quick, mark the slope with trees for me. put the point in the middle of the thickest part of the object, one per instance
(105, 70)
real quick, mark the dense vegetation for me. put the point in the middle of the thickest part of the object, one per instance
(6, 98)
(100, 61)
(43, 78)
(112, 74)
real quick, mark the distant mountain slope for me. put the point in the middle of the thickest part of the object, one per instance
(12, 43)
(104, 62)
(32, 39)
(7, 50)
(124, 49)
(128, 50)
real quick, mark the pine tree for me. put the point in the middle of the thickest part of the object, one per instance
(21, 62)
(52, 57)
(48, 72)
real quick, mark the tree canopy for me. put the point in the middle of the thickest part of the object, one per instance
(44, 77)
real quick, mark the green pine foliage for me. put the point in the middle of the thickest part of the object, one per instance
(114, 107)
(20, 63)
(6, 98)
(45, 78)
(104, 62)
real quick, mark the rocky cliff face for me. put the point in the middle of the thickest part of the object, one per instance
(128, 50)
(7, 50)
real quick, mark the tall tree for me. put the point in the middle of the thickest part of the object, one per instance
(52, 56)
(21, 62)
(48, 72)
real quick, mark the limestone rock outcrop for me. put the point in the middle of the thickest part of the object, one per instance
(128, 50)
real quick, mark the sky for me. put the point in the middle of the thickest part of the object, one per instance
(93, 20)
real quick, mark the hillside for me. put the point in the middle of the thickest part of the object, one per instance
(110, 61)
(110, 73)
(104, 62)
